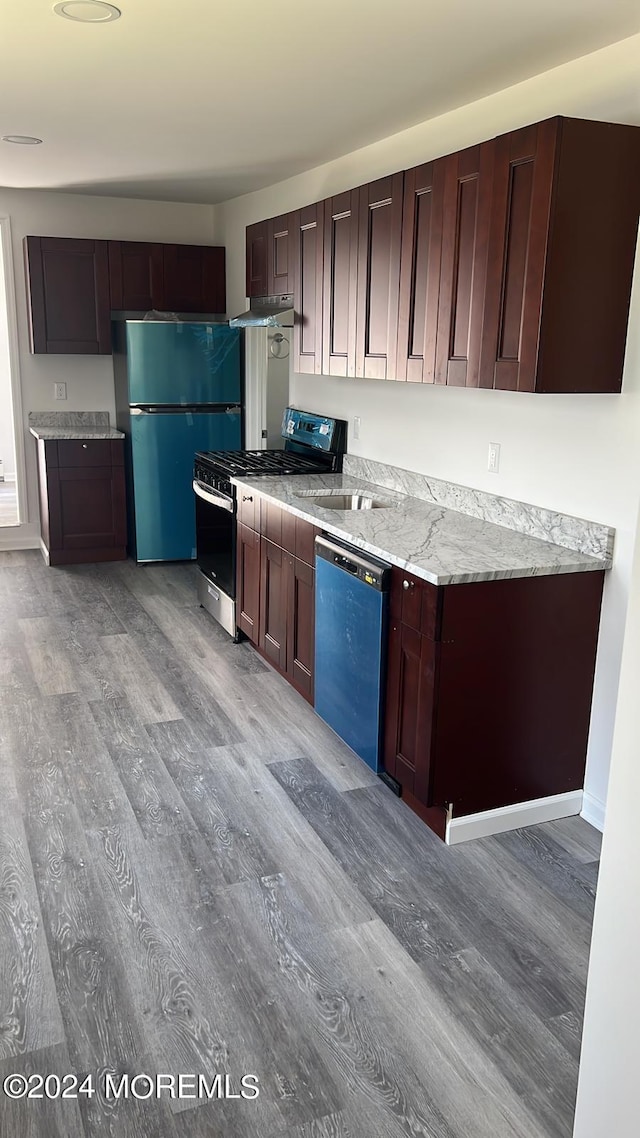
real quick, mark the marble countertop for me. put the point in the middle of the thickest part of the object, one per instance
(76, 433)
(439, 544)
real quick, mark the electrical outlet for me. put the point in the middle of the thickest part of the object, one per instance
(356, 427)
(493, 462)
(59, 391)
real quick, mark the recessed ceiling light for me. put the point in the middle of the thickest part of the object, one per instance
(22, 139)
(87, 11)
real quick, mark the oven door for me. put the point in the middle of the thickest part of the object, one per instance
(216, 537)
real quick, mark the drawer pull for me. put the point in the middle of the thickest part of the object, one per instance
(84, 446)
(247, 498)
(408, 584)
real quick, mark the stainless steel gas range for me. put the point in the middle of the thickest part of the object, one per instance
(313, 444)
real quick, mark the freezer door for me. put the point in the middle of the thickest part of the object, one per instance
(172, 363)
(162, 450)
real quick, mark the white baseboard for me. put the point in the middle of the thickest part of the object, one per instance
(20, 537)
(593, 811)
(489, 822)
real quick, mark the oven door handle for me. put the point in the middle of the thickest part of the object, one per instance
(212, 496)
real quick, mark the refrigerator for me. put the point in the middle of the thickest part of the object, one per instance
(179, 389)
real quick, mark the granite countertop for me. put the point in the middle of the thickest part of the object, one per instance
(76, 433)
(72, 425)
(439, 544)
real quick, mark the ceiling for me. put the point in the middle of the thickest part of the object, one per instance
(200, 101)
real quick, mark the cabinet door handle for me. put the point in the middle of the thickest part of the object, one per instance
(247, 498)
(84, 446)
(408, 584)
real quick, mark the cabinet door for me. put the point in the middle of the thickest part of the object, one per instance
(521, 204)
(279, 250)
(340, 280)
(410, 710)
(465, 229)
(307, 239)
(257, 239)
(300, 625)
(379, 239)
(69, 307)
(273, 603)
(86, 508)
(194, 278)
(420, 272)
(136, 276)
(248, 582)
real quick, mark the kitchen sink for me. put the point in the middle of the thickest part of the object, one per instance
(348, 502)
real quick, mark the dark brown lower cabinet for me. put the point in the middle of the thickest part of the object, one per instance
(248, 582)
(273, 603)
(301, 621)
(275, 592)
(82, 501)
(489, 689)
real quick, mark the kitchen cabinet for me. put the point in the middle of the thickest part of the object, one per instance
(420, 272)
(307, 257)
(564, 215)
(279, 255)
(340, 284)
(378, 277)
(468, 179)
(273, 603)
(194, 278)
(82, 500)
(136, 276)
(74, 284)
(248, 582)
(257, 241)
(275, 588)
(489, 690)
(68, 295)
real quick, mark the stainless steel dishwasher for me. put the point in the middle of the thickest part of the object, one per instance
(352, 602)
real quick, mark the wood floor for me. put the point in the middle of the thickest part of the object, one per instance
(8, 504)
(196, 877)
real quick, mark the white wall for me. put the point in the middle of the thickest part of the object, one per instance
(608, 1086)
(578, 454)
(89, 379)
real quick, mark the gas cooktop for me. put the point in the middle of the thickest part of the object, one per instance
(235, 464)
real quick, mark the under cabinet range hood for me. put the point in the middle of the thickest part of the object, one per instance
(266, 312)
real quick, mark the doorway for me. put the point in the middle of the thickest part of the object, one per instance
(11, 480)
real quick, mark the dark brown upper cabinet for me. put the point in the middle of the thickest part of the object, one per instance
(465, 229)
(257, 242)
(194, 278)
(378, 275)
(561, 249)
(307, 259)
(136, 276)
(340, 284)
(420, 272)
(279, 255)
(68, 295)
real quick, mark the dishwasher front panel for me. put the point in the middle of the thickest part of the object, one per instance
(350, 651)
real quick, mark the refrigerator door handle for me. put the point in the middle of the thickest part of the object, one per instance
(212, 496)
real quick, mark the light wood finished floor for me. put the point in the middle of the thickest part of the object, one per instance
(8, 504)
(196, 876)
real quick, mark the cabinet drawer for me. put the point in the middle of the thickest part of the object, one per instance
(416, 603)
(248, 506)
(305, 536)
(278, 526)
(95, 452)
